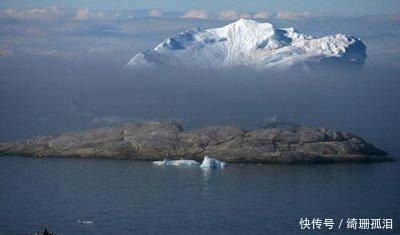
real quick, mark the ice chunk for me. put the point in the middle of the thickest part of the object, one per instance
(182, 162)
(209, 162)
(85, 221)
(164, 162)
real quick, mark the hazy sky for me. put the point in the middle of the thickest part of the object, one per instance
(61, 67)
(345, 6)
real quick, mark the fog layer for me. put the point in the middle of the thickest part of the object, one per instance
(46, 97)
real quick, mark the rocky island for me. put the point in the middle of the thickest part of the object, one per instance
(156, 140)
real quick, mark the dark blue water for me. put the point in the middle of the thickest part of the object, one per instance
(128, 197)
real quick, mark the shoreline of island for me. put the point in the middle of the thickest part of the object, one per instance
(279, 143)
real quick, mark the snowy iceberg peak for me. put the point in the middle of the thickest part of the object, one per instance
(251, 44)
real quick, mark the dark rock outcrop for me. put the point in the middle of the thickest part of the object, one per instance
(278, 143)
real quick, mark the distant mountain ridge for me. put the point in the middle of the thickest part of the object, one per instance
(247, 43)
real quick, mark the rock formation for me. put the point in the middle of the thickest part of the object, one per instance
(274, 143)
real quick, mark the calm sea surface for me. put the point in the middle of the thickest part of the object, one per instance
(129, 197)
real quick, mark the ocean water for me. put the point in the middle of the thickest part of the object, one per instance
(130, 197)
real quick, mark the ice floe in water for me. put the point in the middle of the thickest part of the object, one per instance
(208, 162)
(85, 221)
(164, 162)
(182, 162)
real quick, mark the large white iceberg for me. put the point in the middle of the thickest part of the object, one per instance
(247, 43)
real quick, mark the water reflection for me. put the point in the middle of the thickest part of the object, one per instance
(206, 173)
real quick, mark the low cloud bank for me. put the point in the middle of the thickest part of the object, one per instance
(83, 34)
(53, 12)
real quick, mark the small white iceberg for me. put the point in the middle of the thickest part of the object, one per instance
(209, 162)
(182, 162)
(85, 221)
(164, 162)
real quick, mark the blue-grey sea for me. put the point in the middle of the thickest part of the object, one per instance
(112, 197)
(98, 196)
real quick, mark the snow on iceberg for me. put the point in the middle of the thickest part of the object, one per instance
(209, 162)
(254, 45)
(182, 162)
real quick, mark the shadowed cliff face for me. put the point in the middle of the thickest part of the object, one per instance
(352, 60)
(157, 140)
